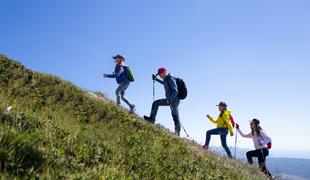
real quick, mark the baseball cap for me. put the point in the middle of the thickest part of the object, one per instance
(161, 70)
(119, 56)
(222, 104)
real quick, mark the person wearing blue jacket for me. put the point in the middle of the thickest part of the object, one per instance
(171, 99)
(122, 80)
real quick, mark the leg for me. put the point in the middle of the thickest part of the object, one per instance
(118, 95)
(125, 100)
(261, 155)
(121, 87)
(155, 106)
(176, 118)
(224, 142)
(251, 154)
(208, 136)
(262, 161)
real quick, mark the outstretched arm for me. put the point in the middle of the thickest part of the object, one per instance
(160, 81)
(244, 135)
(212, 119)
(118, 71)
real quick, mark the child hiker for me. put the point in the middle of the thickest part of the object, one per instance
(123, 80)
(224, 125)
(262, 143)
(172, 99)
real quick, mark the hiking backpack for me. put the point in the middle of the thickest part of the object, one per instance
(232, 121)
(129, 73)
(269, 145)
(182, 90)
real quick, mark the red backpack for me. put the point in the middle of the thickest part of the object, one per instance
(232, 121)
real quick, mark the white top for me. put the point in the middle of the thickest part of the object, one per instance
(260, 141)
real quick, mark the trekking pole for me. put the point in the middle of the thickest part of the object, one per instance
(184, 129)
(236, 140)
(153, 90)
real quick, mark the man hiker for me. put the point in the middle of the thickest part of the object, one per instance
(224, 125)
(172, 98)
(122, 74)
(262, 144)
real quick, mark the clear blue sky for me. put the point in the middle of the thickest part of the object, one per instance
(255, 55)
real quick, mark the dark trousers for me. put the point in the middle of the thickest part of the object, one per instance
(261, 154)
(174, 106)
(223, 133)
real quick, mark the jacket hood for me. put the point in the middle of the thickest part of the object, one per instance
(228, 111)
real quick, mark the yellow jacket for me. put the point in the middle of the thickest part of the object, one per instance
(223, 121)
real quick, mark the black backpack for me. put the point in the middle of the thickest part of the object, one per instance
(181, 88)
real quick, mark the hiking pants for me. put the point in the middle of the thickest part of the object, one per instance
(261, 154)
(120, 93)
(174, 106)
(223, 133)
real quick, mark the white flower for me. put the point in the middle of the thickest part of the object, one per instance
(8, 110)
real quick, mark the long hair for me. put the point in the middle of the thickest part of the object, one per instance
(258, 130)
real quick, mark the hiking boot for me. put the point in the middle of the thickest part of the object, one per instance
(205, 147)
(132, 108)
(149, 119)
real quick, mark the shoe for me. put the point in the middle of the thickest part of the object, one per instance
(132, 108)
(149, 119)
(205, 147)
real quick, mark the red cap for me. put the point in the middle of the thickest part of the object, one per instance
(161, 70)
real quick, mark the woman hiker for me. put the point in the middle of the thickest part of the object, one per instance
(224, 126)
(262, 143)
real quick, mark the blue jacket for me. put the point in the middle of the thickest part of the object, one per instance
(171, 87)
(119, 73)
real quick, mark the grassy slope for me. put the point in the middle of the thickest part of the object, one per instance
(58, 131)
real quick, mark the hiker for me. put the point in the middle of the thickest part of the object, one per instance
(262, 144)
(224, 125)
(172, 98)
(123, 76)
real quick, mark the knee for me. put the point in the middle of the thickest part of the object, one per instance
(117, 93)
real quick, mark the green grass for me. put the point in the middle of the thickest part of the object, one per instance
(57, 131)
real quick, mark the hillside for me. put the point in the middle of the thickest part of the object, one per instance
(56, 130)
